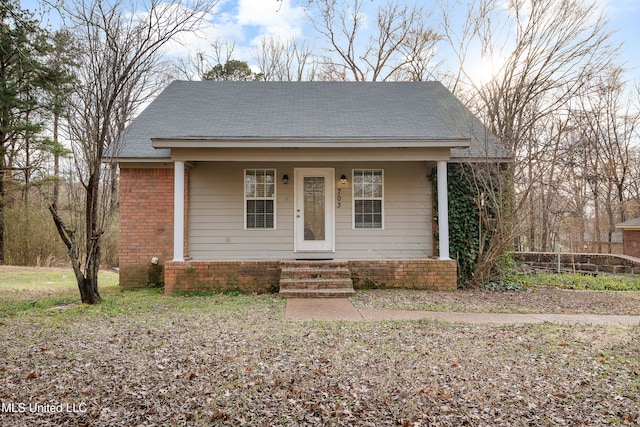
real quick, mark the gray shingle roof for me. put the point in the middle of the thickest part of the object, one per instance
(634, 223)
(339, 111)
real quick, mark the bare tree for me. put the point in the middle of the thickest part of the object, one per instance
(610, 126)
(557, 45)
(197, 65)
(543, 52)
(118, 69)
(401, 45)
(285, 60)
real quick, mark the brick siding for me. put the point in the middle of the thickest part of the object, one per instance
(146, 224)
(631, 239)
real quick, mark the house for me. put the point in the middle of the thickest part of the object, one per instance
(630, 237)
(228, 185)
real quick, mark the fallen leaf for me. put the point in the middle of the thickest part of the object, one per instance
(445, 394)
(445, 410)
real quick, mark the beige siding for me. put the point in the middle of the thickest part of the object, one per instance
(216, 209)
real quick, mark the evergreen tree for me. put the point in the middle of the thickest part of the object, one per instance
(232, 70)
(23, 74)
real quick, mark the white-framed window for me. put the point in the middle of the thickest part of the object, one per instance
(260, 198)
(368, 198)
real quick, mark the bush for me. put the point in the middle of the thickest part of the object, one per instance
(31, 237)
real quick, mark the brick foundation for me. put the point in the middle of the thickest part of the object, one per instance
(429, 274)
(264, 276)
(146, 218)
(245, 276)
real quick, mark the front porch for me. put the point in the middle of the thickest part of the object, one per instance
(263, 276)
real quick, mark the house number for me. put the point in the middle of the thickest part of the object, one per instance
(339, 197)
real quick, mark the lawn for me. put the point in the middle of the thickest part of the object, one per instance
(141, 358)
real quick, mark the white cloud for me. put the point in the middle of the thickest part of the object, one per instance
(270, 18)
(243, 22)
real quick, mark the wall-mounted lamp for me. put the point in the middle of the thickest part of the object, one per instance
(343, 179)
(285, 179)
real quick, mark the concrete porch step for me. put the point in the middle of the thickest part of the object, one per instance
(315, 273)
(317, 293)
(317, 283)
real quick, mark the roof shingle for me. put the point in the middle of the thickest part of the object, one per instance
(307, 110)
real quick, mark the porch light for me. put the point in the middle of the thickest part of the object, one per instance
(343, 179)
(285, 179)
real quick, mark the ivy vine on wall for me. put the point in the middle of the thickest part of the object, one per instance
(466, 206)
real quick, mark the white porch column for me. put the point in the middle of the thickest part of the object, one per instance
(178, 211)
(443, 210)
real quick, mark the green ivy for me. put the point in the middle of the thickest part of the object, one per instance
(464, 221)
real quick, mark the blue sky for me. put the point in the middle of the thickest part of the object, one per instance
(624, 18)
(246, 21)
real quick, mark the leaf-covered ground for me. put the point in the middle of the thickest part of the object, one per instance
(143, 359)
(532, 300)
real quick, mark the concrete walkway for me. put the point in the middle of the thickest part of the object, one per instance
(304, 309)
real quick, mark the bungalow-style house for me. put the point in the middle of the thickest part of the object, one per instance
(630, 237)
(266, 186)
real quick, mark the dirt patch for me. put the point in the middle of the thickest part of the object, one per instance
(63, 307)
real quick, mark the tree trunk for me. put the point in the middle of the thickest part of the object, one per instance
(56, 160)
(2, 205)
(87, 281)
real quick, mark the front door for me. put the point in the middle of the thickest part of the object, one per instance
(313, 209)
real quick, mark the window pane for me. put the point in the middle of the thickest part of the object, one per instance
(314, 211)
(260, 214)
(376, 190)
(368, 213)
(250, 184)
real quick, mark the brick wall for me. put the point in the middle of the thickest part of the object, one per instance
(631, 239)
(245, 276)
(430, 274)
(146, 224)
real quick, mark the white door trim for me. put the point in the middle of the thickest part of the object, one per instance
(300, 244)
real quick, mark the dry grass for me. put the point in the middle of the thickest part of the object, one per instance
(144, 359)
